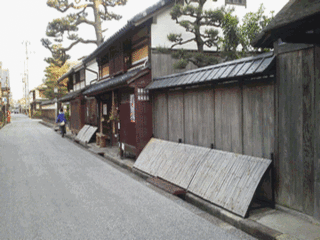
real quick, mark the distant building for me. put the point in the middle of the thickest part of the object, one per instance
(236, 2)
(4, 88)
(36, 97)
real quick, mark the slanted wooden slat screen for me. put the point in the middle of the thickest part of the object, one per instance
(229, 179)
(82, 132)
(223, 178)
(85, 134)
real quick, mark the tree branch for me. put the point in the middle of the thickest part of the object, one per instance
(182, 42)
(63, 6)
(80, 40)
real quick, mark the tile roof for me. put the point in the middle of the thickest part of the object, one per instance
(245, 67)
(71, 95)
(105, 85)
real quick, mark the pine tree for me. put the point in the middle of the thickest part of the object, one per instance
(52, 75)
(69, 25)
(203, 25)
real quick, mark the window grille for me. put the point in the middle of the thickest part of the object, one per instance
(82, 75)
(143, 94)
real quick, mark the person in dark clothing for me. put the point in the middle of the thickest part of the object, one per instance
(63, 121)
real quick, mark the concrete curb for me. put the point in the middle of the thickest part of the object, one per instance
(251, 227)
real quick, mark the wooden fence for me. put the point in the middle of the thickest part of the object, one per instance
(236, 117)
(298, 72)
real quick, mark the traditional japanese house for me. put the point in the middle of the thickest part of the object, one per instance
(124, 107)
(294, 34)
(36, 98)
(49, 110)
(81, 110)
(127, 61)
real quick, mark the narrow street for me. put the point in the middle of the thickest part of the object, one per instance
(51, 188)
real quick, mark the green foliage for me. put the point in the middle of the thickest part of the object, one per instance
(181, 64)
(67, 114)
(66, 28)
(2, 116)
(253, 23)
(197, 58)
(37, 114)
(52, 75)
(163, 50)
(232, 37)
(236, 41)
(203, 25)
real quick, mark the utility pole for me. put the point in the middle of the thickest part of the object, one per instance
(26, 78)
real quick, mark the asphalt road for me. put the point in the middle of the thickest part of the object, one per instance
(51, 188)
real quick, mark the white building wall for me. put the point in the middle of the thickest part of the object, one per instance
(90, 75)
(5, 79)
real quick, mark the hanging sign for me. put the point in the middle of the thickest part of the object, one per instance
(132, 108)
(105, 109)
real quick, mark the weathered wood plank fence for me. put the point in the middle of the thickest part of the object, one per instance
(237, 118)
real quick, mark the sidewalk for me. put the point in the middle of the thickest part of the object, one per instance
(264, 223)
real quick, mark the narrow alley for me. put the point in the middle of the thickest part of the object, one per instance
(51, 188)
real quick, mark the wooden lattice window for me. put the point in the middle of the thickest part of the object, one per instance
(143, 94)
(105, 70)
(140, 53)
(82, 75)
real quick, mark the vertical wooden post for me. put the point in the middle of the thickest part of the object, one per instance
(273, 203)
(112, 109)
(101, 106)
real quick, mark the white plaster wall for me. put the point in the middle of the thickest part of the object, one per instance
(165, 25)
(38, 94)
(90, 75)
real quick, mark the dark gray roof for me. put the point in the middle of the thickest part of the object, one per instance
(245, 67)
(49, 102)
(295, 18)
(67, 74)
(39, 100)
(130, 25)
(71, 95)
(111, 83)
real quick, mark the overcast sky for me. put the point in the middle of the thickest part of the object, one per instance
(26, 21)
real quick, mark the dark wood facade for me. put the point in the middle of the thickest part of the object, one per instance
(77, 116)
(82, 110)
(125, 115)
